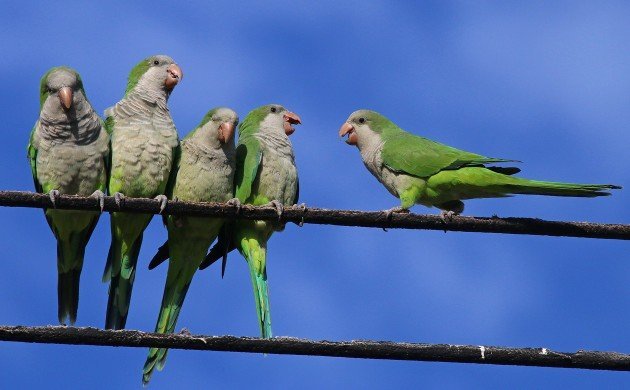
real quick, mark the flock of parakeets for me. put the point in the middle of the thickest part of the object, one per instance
(136, 152)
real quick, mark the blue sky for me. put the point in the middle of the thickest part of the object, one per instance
(547, 84)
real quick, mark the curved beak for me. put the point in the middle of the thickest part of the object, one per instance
(65, 96)
(226, 132)
(174, 75)
(348, 129)
(290, 118)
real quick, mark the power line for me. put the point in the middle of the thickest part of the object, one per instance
(540, 357)
(321, 216)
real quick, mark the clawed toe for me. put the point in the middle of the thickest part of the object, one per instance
(279, 208)
(447, 215)
(302, 207)
(389, 212)
(163, 200)
(53, 195)
(236, 203)
(100, 197)
(118, 198)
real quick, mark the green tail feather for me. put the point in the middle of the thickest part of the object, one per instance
(68, 296)
(121, 283)
(261, 296)
(536, 187)
(69, 265)
(172, 302)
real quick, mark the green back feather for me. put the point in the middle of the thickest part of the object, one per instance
(135, 74)
(418, 156)
(251, 123)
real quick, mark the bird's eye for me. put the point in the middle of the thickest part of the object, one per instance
(273, 109)
(156, 62)
(361, 120)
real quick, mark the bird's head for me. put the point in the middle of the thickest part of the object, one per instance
(364, 126)
(60, 89)
(155, 73)
(219, 124)
(270, 118)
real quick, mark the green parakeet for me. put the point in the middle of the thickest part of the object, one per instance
(68, 151)
(417, 170)
(265, 174)
(205, 173)
(144, 146)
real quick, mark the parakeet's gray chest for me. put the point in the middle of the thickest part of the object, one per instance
(205, 175)
(72, 165)
(371, 156)
(277, 178)
(142, 151)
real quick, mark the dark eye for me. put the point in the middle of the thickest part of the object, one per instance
(156, 62)
(361, 120)
(273, 109)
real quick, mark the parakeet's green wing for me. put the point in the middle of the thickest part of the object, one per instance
(32, 157)
(170, 184)
(421, 157)
(248, 158)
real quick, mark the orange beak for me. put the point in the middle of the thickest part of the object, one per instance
(348, 129)
(173, 76)
(65, 96)
(290, 118)
(226, 132)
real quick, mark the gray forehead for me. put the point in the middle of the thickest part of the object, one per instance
(224, 112)
(61, 78)
(163, 59)
(359, 113)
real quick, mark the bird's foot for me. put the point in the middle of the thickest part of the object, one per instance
(185, 332)
(54, 195)
(162, 199)
(389, 212)
(118, 198)
(302, 207)
(447, 215)
(278, 206)
(100, 197)
(236, 203)
(400, 210)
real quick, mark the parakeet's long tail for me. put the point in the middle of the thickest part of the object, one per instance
(69, 265)
(478, 182)
(177, 283)
(536, 187)
(261, 295)
(123, 273)
(255, 253)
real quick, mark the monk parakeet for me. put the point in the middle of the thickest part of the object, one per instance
(417, 170)
(144, 145)
(265, 175)
(205, 173)
(68, 151)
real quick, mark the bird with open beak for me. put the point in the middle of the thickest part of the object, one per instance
(144, 146)
(68, 151)
(418, 170)
(265, 175)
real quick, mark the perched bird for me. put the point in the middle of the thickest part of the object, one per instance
(205, 173)
(144, 145)
(417, 170)
(68, 152)
(265, 175)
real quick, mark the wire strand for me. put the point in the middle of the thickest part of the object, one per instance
(310, 215)
(540, 357)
